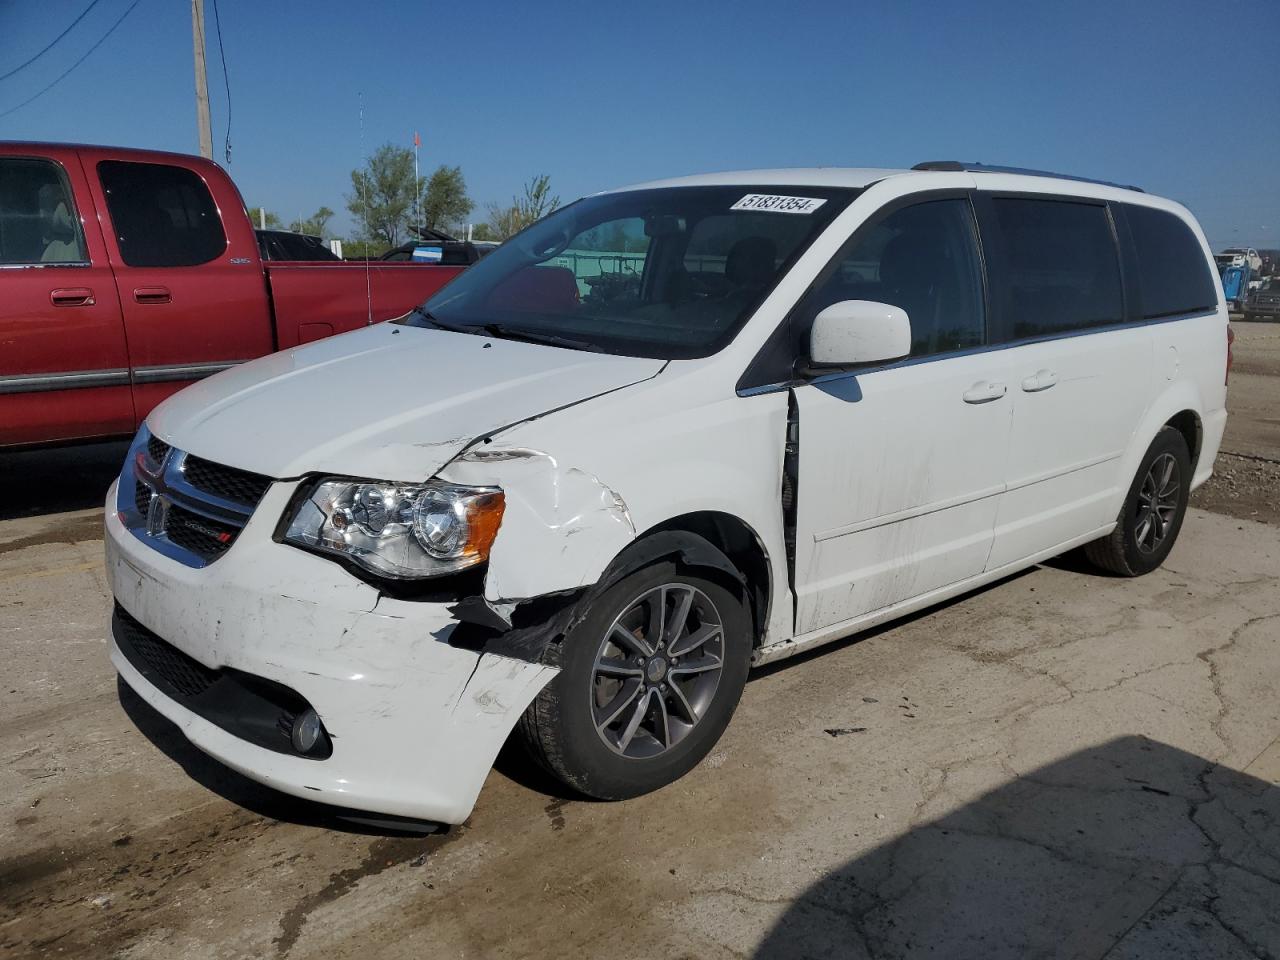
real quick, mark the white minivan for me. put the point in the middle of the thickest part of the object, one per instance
(664, 434)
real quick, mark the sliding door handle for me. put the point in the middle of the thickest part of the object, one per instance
(984, 391)
(152, 295)
(1040, 380)
(72, 297)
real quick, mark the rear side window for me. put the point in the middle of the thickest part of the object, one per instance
(1173, 274)
(163, 216)
(38, 218)
(1062, 268)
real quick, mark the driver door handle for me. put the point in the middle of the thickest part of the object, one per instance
(71, 297)
(1040, 380)
(984, 391)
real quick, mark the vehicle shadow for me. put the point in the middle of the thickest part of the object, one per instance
(1131, 849)
(49, 480)
(253, 796)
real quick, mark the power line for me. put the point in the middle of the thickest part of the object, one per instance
(82, 59)
(52, 43)
(226, 81)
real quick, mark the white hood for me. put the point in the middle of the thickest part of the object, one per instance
(388, 402)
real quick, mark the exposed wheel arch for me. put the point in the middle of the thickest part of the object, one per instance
(1187, 423)
(737, 541)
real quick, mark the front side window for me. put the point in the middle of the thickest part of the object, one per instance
(665, 273)
(922, 258)
(38, 219)
(1062, 268)
(163, 216)
(1173, 274)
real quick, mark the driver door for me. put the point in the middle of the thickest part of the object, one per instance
(901, 466)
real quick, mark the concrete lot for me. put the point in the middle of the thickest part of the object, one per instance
(1064, 764)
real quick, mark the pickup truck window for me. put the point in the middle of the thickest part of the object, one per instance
(38, 218)
(664, 273)
(164, 216)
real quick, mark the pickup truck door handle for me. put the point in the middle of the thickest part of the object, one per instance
(984, 391)
(71, 297)
(152, 295)
(1040, 380)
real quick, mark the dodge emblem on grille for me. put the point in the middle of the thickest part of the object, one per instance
(156, 511)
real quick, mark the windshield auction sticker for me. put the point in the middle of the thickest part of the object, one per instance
(777, 204)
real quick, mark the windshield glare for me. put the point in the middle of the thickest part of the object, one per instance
(665, 273)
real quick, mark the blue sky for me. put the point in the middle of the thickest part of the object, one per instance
(1167, 94)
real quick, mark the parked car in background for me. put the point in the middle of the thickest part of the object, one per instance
(285, 245)
(1240, 257)
(439, 248)
(829, 398)
(127, 274)
(1264, 302)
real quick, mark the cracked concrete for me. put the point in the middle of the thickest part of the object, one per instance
(1064, 764)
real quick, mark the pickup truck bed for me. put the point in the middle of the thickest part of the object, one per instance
(128, 274)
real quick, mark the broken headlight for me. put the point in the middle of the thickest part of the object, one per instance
(399, 530)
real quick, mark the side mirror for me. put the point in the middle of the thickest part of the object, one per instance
(859, 331)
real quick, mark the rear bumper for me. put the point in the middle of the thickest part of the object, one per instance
(415, 723)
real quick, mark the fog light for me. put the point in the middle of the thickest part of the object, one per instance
(306, 731)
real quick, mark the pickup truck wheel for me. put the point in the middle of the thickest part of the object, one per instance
(1152, 514)
(648, 681)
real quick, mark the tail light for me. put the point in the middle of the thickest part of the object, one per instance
(1231, 338)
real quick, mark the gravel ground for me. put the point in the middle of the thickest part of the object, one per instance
(1246, 481)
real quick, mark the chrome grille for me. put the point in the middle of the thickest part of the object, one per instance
(226, 482)
(188, 508)
(203, 536)
(157, 450)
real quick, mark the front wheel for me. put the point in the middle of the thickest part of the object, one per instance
(648, 681)
(1152, 514)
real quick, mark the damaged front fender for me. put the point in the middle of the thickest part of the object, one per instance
(561, 526)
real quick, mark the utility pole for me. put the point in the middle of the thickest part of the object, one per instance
(202, 80)
(417, 192)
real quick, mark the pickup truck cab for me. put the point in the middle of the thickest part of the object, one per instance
(807, 402)
(128, 274)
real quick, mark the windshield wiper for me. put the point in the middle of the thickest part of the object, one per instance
(440, 324)
(503, 332)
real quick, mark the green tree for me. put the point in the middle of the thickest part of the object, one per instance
(536, 203)
(383, 193)
(445, 203)
(273, 220)
(315, 225)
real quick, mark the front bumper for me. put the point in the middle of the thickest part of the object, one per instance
(415, 723)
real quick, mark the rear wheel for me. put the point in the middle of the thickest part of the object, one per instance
(648, 681)
(1152, 514)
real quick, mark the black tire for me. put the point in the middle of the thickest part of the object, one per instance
(559, 728)
(1121, 551)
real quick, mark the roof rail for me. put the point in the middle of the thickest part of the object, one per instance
(956, 166)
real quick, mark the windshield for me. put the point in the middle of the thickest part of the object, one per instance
(666, 273)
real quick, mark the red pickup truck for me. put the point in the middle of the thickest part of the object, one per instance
(127, 274)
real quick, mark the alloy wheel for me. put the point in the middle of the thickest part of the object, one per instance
(656, 670)
(1157, 503)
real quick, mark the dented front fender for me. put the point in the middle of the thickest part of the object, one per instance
(562, 525)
